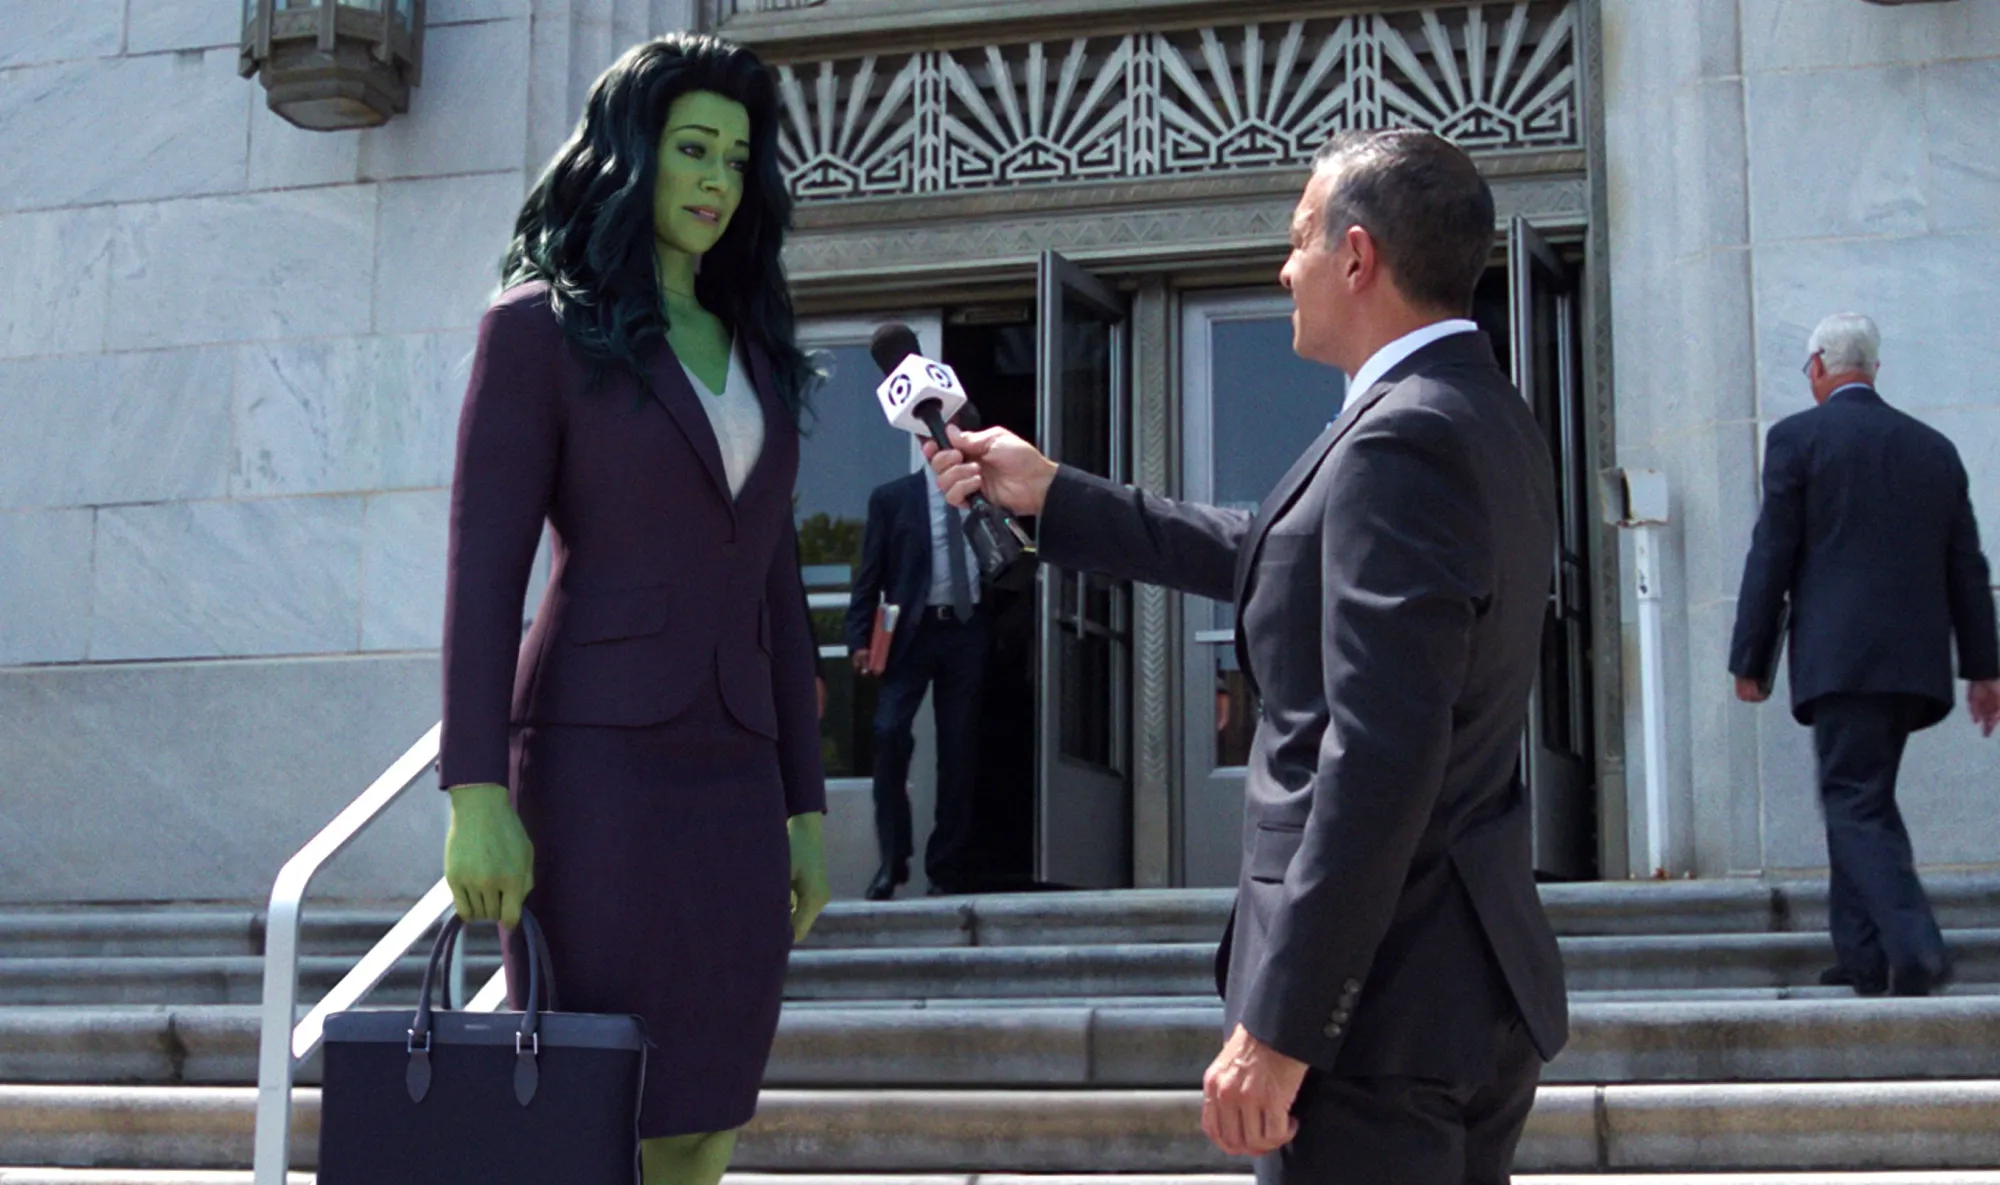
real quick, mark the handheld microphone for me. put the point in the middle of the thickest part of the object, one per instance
(920, 396)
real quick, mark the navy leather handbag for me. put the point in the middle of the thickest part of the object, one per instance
(437, 1097)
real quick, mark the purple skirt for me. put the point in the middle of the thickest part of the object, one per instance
(662, 880)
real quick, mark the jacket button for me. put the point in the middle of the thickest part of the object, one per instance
(729, 551)
(1340, 1017)
(1351, 986)
(1331, 1031)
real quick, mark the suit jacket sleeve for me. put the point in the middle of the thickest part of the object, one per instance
(1406, 563)
(508, 444)
(794, 671)
(1969, 584)
(1773, 560)
(868, 581)
(1094, 525)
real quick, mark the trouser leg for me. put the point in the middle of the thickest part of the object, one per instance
(901, 694)
(956, 692)
(1860, 742)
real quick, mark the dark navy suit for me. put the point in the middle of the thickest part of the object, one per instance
(930, 651)
(1867, 528)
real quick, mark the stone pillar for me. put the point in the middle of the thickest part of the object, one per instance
(1681, 313)
(1155, 751)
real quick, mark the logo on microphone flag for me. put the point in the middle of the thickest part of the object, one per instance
(916, 381)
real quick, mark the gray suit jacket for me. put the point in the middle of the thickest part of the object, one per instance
(1390, 597)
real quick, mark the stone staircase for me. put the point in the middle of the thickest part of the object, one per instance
(933, 1042)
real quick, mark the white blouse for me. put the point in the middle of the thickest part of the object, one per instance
(737, 417)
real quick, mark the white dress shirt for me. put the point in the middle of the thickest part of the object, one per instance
(737, 417)
(1392, 355)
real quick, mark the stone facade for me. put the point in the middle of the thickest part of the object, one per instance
(1770, 162)
(231, 354)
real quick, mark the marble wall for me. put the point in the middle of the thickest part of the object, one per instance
(231, 355)
(1770, 162)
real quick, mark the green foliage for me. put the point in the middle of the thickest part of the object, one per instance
(824, 539)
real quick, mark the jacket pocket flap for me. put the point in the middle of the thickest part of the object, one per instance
(602, 617)
(1271, 850)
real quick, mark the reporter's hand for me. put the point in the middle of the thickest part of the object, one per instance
(489, 861)
(1012, 473)
(1750, 691)
(860, 659)
(1982, 699)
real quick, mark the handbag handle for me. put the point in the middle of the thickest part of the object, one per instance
(527, 1041)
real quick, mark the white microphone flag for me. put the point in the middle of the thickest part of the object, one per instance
(915, 381)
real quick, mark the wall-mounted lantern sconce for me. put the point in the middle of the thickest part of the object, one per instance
(329, 65)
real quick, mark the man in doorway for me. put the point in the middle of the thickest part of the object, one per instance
(915, 555)
(1392, 985)
(1867, 528)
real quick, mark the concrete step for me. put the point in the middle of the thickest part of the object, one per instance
(228, 979)
(77, 932)
(1671, 963)
(1109, 1043)
(24, 1176)
(1574, 1129)
(1644, 963)
(19, 1176)
(1964, 900)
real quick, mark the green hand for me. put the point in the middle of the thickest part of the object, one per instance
(489, 862)
(810, 891)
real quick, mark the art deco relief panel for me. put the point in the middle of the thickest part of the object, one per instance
(1238, 97)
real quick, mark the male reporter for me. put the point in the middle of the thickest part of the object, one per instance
(1392, 985)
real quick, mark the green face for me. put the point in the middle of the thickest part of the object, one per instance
(704, 155)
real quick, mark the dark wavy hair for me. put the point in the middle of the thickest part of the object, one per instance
(587, 226)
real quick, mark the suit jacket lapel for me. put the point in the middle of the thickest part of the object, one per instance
(677, 395)
(1459, 348)
(1288, 488)
(778, 428)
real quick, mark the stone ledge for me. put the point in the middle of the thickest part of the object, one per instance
(1880, 1125)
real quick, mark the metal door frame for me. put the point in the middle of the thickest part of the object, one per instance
(1202, 620)
(1533, 266)
(1058, 282)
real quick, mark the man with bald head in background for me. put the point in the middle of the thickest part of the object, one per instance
(1867, 535)
(1392, 986)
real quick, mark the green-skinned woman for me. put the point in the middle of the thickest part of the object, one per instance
(643, 771)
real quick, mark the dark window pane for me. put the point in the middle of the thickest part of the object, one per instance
(1269, 404)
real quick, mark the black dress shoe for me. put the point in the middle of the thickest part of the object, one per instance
(1863, 985)
(883, 887)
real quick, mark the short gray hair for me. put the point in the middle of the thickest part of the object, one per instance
(1847, 342)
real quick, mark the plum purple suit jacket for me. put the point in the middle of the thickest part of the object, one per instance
(662, 585)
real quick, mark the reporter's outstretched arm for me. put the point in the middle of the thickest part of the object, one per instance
(1088, 523)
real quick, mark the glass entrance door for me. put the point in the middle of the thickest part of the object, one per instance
(1556, 752)
(1250, 406)
(1084, 797)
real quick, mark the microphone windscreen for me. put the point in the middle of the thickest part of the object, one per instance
(891, 344)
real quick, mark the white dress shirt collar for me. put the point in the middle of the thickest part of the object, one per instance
(1392, 355)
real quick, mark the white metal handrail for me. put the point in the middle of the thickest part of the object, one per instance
(282, 1045)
